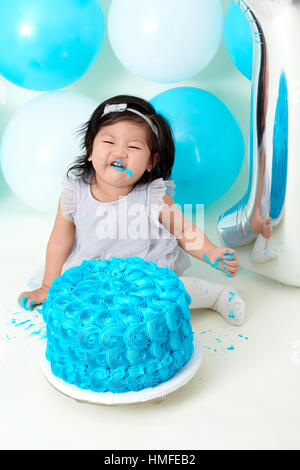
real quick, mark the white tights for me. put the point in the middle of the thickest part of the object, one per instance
(205, 294)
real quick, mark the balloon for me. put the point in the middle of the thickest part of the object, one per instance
(165, 41)
(269, 213)
(46, 45)
(208, 140)
(238, 39)
(38, 145)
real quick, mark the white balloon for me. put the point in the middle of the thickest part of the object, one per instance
(39, 143)
(165, 40)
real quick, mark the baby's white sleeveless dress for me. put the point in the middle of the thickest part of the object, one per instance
(126, 227)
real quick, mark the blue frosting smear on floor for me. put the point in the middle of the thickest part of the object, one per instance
(27, 323)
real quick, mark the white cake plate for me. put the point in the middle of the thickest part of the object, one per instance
(157, 393)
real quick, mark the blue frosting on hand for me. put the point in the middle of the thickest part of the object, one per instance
(25, 305)
(117, 325)
(216, 264)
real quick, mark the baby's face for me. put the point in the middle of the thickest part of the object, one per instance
(124, 143)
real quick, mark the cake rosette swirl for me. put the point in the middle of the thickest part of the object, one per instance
(99, 378)
(112, 337)
(136, 337)
(89, 337)
(157, 328)
(117, 325)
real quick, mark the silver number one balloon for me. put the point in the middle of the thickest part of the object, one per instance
(264, 226)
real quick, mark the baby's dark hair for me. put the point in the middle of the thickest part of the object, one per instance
(163, 144)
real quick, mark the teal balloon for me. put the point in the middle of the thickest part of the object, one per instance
(49, 44)
(209, 145)
(238, 39)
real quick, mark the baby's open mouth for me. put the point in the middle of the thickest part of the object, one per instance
(118, 164)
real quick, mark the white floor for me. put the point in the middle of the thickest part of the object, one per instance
(245, 397)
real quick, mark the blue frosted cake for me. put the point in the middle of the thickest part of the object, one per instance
(119, 325)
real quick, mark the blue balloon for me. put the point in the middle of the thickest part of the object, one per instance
(48, 44)
(238, 39)
(209, 145)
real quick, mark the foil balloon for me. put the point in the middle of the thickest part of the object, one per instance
(264, 226)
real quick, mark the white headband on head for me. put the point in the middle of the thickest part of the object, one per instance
(112, 108)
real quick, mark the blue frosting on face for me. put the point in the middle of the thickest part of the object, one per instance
(117, 325)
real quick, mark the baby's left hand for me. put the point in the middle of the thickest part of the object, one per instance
(223, 259)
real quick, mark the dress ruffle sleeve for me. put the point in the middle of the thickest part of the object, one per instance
(157, 190)
(68, 200)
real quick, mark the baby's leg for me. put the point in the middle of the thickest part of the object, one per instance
(205, 294)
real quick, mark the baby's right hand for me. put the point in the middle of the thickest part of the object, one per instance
(31, 298)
